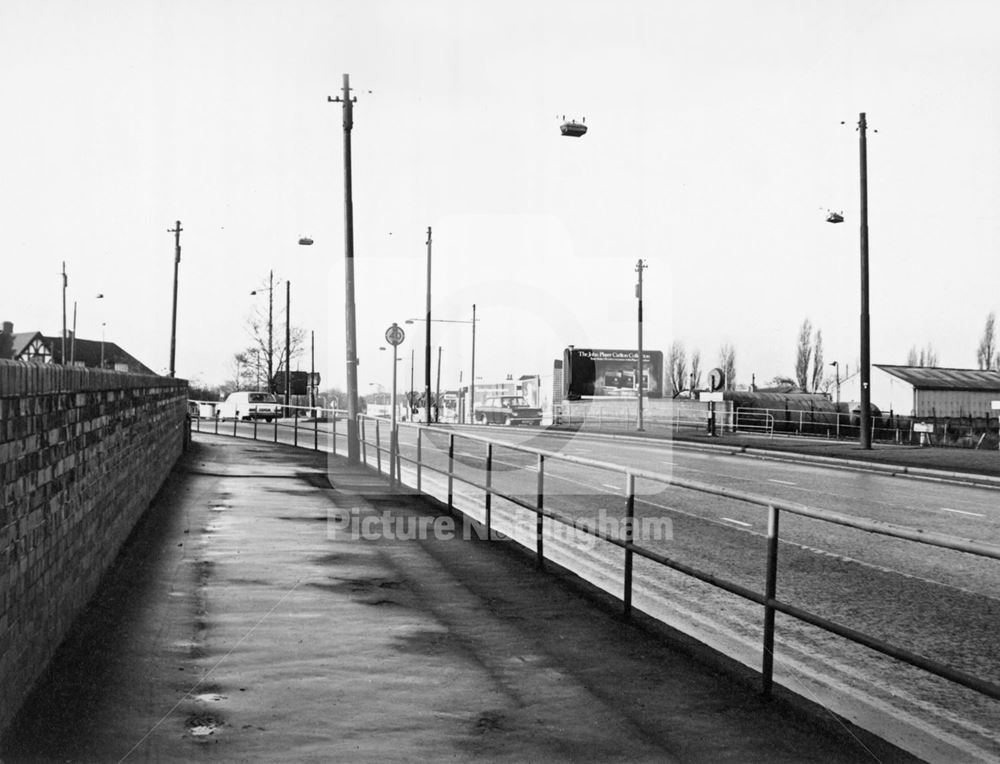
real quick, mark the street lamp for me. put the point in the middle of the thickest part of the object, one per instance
(176, 231)
(270, 329)
(472, 384)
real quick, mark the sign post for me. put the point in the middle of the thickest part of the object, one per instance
(995, 405)
(394, 335)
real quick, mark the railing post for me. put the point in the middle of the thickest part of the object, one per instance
(451, 469)
(276, 418)
(489, 490)
(235, 422)
(629, 522)
(378, 446)
(216, 425)
(315, 431)
(362, 431)
(420, 440)
(770, 588)
(392, 457)
(295, 431)
(255, 428)
(540, 502)
(333, 433)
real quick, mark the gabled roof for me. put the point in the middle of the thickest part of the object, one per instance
(22, 340)
(86, 352)
(930, 378)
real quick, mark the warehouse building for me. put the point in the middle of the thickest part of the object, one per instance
(923, 391)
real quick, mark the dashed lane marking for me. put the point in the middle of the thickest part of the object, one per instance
(783, 482)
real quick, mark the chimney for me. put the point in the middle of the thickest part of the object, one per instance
(7, 340)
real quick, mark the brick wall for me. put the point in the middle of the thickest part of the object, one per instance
(82, 453)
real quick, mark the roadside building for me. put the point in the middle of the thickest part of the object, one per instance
(923, 391)
(91, 354)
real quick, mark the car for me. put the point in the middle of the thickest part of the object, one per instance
(509, 410)
(249, 405)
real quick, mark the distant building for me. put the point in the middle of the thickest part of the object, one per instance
(91, 354)
(925, 391)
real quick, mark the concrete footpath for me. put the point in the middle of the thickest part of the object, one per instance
(247, 621)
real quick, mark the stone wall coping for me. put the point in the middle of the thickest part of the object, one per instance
(20, 378)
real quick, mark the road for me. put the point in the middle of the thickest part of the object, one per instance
(937, 603)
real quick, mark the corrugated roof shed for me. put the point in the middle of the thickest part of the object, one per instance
(929, 378)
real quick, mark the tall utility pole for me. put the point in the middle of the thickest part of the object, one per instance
(353, 446)
(176, 231)
(312, 370)
(270, 332)
(639, 268)
(437, 389)
(65, 281)
(427, 345)
(288, 342)
(472, 377)
(866, 410)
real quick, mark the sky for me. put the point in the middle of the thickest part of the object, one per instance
(720, 134)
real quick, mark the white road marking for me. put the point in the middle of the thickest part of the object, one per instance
(738, 522)
(962, 512)
(612, 487)
(783, 482)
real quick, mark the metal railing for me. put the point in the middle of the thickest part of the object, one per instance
(767, 598)
(302, 421)
(754, 420)
(389, 450)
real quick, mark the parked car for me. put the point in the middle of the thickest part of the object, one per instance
(249, 405)
(509, 410)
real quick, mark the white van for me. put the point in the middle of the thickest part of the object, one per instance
(249, 405)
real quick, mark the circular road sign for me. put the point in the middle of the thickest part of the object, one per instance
(394, 335)
(716, 380)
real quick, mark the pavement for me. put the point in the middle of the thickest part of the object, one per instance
(277, 604)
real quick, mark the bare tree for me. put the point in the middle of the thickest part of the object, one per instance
(817, 375)
(803, 354)
(986, 354)
(912, 358)
(696, 370)
(677, 367)
(727, 362)
(272, 354)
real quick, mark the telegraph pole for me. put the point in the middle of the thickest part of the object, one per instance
(270, 333)
(288, 342)
(472, 377)
(639, 268)
(65, 281)
(427, 344)
(866, 411)
(437, 390)
(176, 231)
(353, 446)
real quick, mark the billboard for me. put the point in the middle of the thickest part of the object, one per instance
(611, 373)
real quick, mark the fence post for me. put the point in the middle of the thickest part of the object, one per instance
(420, 466)
(255, 428)
(235, 421)
(489, 490)
(538, 512)
(316, 431)
(216, 424)
(378, 446)
(629, 522)
(276, 428)
(364, 441)
(333, 433)
(451, 469)
(295, 431)
(770, 588)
